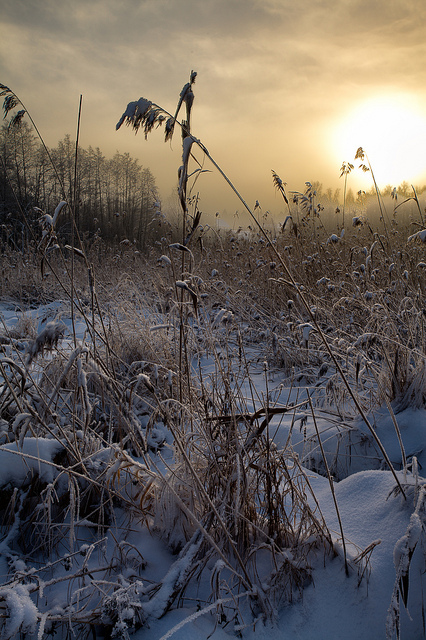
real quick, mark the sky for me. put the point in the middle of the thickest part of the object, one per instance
(294, 87)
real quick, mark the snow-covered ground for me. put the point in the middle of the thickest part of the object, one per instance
(336, 606)
(383, 530)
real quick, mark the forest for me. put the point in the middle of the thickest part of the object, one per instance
(115, 198)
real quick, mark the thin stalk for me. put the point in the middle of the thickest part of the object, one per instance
(268, 480)
(331, 482)
(344, 201)
(383, 211)
(418, 205)
(73, 221)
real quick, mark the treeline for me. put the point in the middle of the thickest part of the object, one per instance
(335, 196)
(115, 199)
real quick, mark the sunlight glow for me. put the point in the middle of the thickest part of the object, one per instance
(392, 132)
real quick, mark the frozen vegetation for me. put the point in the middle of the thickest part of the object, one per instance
(242, 495)
(224, 437)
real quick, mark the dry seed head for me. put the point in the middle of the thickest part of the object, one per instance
(9, 103)
(134, 113)
(17, 119)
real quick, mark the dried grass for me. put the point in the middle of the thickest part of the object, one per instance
(340, 314)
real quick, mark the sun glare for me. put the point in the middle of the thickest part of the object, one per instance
(392, 132)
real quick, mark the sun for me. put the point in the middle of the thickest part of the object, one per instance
(392, 131)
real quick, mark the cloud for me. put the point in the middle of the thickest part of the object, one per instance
(273, 74)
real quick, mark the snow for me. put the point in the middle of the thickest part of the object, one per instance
(420, 234)
(134, 110)
(21, 609)
(35, 454)
(334, 606)
(373, 514)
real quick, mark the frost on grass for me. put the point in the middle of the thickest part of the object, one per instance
(46, 340)
(21, 612)
(403, 556)
(233, 500)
